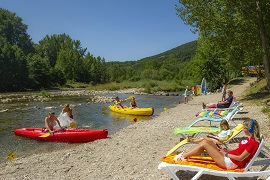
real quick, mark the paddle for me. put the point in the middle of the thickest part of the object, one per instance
(130, 97)
(72, 124)
(45, 135)
(106, 107)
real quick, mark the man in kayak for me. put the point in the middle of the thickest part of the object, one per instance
(49, 122)
(118, 103)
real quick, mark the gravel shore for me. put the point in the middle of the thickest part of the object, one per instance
(132, 153)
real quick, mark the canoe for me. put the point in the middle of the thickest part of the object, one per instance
(136, 111)
(120, 116)
(63, 135)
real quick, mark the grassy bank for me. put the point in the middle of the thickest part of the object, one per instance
(257, 94)
(147, 86)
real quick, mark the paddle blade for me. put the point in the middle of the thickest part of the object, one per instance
(45, 135)
(130, 97)
(72, 124)
(104, 108)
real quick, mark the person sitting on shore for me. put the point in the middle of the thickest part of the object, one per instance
(133, 103)
(222, 136)
(50, 121)
(227, 158)
(221, 104)
(118, 103)
(67, 110)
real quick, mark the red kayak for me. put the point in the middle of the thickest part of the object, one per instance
(62, 135)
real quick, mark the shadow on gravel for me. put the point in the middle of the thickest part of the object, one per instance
(239, 81)
(261, 94)
(257, 95)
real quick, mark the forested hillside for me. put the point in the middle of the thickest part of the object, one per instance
(58, 60)
(168, 65)
(232, 34)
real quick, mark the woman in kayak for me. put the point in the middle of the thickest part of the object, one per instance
(49, 122)
(68, 110)
(133, 103)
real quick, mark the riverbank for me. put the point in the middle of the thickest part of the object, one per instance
(132, 153)
(95, 97)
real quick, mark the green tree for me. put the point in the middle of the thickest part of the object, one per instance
(39, 72)
(15, 45)
(238, 28)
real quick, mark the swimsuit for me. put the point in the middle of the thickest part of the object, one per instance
(51, 123)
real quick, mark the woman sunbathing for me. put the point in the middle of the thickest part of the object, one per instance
(226, 158)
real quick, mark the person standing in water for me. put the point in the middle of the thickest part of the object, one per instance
(186, 95)
(68, 110)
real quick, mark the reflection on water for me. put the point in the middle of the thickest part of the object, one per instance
(90, 116)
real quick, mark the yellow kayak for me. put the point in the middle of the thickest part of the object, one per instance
(136, 111)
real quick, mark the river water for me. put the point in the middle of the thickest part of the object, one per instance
(89, 116)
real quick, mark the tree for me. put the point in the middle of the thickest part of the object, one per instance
(39, 72)
(238, 28)
(15, 45)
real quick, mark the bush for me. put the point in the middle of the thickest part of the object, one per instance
(44, 93)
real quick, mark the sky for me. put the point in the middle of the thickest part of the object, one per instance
(117, 30)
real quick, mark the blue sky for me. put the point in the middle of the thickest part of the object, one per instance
(118, 30)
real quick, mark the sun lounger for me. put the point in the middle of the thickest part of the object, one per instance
(234, 132)
(228, 117)
(200, 170)
(232, 106)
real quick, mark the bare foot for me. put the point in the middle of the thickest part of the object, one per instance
(203, 105)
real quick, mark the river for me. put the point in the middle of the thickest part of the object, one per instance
(86, 115)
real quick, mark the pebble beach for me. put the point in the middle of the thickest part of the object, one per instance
(132, 153)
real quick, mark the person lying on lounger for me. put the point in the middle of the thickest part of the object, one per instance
(219, 138)
(226, 158)
(221, 104)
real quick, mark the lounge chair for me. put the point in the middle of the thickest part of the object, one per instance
(228, 117)
(170, 167)
(232, 106)
(234, 132)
